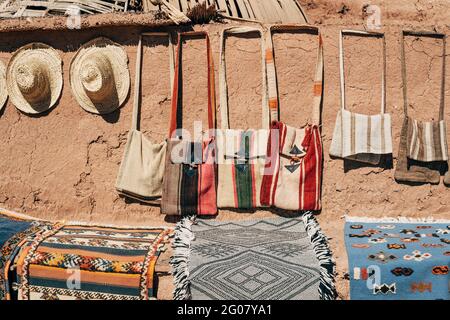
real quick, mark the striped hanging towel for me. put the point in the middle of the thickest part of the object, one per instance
(361, 137)
(241, 153)
(293, 172)
(189, 185)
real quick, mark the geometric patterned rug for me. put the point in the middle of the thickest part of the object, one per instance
(398, 259)
(42, 260)
(79, 262)
(273, 259)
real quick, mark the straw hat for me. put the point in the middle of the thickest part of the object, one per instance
(99, 76)
(34, 78)
(3, 89)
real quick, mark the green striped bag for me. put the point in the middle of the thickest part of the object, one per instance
(241, 153)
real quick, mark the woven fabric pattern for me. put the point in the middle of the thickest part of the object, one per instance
(80, 262)
(273, 259)
(398, 260)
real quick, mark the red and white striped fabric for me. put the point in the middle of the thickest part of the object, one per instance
(296, 182)
(293, 171)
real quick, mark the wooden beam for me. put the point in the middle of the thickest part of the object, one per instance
(184, 6)
(232, 6)
(243, 9)
(256, 11)
(223, 7)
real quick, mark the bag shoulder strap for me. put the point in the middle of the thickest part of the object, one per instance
(342, 68)
(138, 75)
(177, 83)
(271, 71)
(224, 109)
(404, 77)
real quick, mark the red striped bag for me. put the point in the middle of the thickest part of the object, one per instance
(189, 186)
(241, 153)
(293, 172)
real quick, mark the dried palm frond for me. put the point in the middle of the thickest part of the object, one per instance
(202, 13)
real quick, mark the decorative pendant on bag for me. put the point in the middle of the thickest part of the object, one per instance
(293, 167)
(296, 159)
(297, 152)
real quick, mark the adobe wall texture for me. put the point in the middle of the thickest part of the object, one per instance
(63, 164)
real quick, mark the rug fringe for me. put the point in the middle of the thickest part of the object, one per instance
(399, 219)
(180, 260)
(327, 286)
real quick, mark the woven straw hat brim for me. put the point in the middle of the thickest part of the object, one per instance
(119, 63)
(3, 88)
(52, 62)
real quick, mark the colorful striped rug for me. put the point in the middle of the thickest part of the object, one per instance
(76, 262)
(274, 259)
(42, 260)
(398, 259)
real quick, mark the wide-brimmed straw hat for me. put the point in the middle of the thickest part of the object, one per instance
(3, 89)
(99, 76)
(34, 78)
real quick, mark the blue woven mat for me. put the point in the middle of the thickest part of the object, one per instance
(397, 260)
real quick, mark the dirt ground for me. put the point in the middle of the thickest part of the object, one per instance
(63, 164)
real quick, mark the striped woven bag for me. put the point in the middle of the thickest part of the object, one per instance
(189, 185)
(293, 171)
(361, 137)
(426, 141)
(241, 153)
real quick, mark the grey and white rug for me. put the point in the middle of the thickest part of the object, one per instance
(273, 259)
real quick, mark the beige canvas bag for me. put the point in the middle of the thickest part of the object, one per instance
(361, 137)
(241, 153)
(142, 169)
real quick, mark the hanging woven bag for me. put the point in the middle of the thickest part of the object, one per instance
(360, 137)
(189, 186)
(241, 153)
(424, 142)
(142, 168)
(293, 171)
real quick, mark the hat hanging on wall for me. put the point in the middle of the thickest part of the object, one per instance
(34, 78)
(99, 76)
(3, 89)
